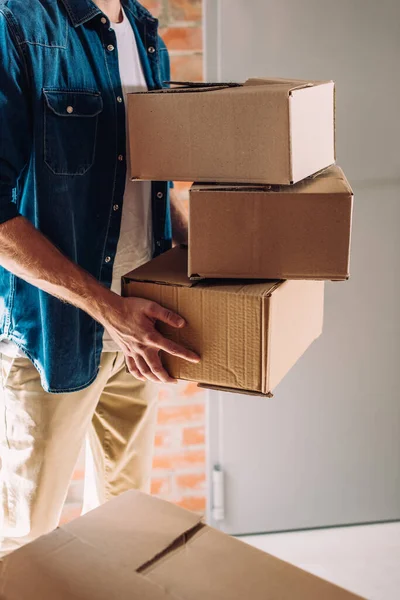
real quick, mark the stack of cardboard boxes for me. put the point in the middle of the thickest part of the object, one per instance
(270, 220)
(263, 245)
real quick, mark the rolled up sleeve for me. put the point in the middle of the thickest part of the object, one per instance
(15, 119)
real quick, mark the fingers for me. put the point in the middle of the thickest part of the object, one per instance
(156, 340)
(148, 367)
(154, 362)
(132, 368)
(155, 311)
(145, 370)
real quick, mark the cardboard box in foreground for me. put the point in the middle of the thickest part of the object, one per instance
(287, 232)
(273, 131)
(249, 334)
(137, 547)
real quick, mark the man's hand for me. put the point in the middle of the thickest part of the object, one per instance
(28, 254)
(131, 324)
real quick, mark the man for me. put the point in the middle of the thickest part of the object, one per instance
(71, 223)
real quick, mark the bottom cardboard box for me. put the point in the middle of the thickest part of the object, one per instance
(249, 334)
(137, 547)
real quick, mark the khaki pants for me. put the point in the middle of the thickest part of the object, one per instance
(41, 436)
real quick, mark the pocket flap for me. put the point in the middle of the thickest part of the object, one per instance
(74, 103)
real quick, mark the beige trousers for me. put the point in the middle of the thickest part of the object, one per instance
(41, 436)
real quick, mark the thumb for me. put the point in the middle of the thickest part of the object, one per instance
(166, 316)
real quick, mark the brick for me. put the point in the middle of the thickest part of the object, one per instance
(164, 393)
(183, 38)
(187, 67)
(168, 437)
(195, 504)
(161, 440)
(78, 475)
(161, 486)
(181, 413)
(181, 460)
(191, 389)
(168, 392)
(193, 436)
(154, 6)
(186, 10)
(191, 482)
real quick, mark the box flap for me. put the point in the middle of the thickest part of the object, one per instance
(215, 566)
(287, 85)
(139, 525)
(246, 287)
(331, 180)
(71, 564)
(220, 388)
(169, 268)
(60, 566)
(312, 129)
(295, 316)
(182, 87)
(229, 187)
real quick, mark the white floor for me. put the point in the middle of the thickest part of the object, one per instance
(364, 559)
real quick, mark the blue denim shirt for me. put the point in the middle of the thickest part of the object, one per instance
(62, 165)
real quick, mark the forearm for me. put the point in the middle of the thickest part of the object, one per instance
(179, 218)
(27, 253)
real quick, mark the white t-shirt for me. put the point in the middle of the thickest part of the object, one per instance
(135, 245)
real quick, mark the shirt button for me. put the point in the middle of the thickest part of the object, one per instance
(119, 99)
(103, 20)
(120, 157)
(158, 244)
(151, 49)
(70, 109)
(160, 195)
(107, 259)
(110, 47)
(116, 207)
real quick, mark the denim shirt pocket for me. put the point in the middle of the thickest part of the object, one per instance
(70, 129)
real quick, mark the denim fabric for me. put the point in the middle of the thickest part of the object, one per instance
(62, 138)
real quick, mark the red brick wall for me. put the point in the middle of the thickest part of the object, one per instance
(179, 462)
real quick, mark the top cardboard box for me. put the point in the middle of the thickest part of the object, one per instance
(140, 548)
(268, 131)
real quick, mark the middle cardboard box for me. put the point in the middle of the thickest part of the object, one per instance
(301, 231)
(249, 334)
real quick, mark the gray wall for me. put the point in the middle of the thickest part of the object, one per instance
(326, 450)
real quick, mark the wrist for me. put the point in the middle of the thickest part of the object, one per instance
(103, 305)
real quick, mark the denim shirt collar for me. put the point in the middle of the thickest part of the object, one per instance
(81, 11)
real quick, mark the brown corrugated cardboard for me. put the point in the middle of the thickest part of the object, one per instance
(274, 131)
(279, 232)
(138, 547)
(248, 334)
